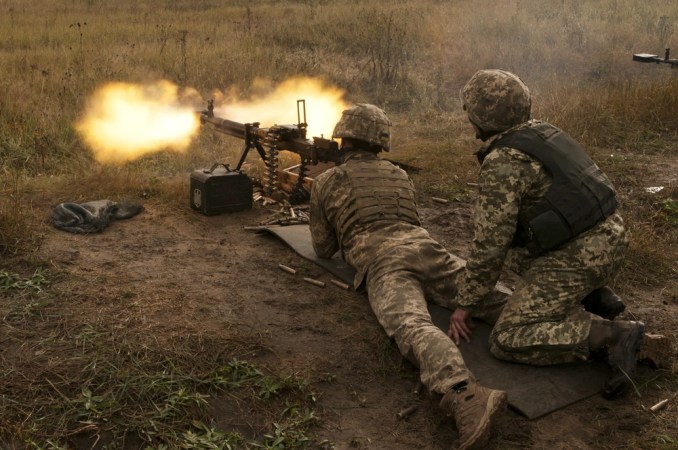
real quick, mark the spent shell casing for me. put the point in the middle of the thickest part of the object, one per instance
(254, 227)
(340, 284)
(287, 269)
(407, 412)
(659, 405)
(270, 221)
(314, 282)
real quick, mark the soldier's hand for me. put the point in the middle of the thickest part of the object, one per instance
(460, 326)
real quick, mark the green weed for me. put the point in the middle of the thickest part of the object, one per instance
(129, 391)
(31, 285)
(291, 431)
(670, 208)
(206, 437)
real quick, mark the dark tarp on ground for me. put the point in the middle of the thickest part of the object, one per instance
(533, 391)
(91, 217)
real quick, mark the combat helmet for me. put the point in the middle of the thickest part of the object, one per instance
(366, 123)
(496, 100)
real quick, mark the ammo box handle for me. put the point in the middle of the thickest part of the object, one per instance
(215, 165)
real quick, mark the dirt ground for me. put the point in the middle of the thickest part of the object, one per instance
(169, 271)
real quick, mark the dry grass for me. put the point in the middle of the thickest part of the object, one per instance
(410, 57)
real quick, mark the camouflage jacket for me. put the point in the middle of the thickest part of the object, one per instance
(509, 182)
(377, 247)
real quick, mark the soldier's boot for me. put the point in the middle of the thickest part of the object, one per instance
(473, 408)
(604, 302)
(621, 342)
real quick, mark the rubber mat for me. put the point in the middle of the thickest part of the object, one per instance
(532, 391)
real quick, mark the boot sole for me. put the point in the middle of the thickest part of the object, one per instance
(481, 436)
(631, 357)
(618, 383)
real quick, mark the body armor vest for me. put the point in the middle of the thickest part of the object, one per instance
(580, 195)
(379, 191)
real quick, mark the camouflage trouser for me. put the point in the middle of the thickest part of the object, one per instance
(544, 322)
(398, 299)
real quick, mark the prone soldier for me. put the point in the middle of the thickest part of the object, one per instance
(365, 207)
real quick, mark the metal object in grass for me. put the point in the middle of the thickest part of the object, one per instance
(650, 58)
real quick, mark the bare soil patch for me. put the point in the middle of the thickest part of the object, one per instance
(174, 275)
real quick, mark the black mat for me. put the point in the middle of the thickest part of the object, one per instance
(299, 238)
(533, 391)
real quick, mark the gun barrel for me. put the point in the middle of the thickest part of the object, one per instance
(230, 127)
(650, 58)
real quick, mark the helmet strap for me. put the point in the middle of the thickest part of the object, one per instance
(348, 144)
(481, 134)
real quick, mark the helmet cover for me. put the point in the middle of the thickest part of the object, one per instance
(366, 123)
(496, 100)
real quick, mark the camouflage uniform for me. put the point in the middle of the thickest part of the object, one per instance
(543, 321)
(402, 265)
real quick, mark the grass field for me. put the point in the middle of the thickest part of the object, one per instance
(409, 57)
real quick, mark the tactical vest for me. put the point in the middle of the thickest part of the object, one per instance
(580, 195)
(379, 191)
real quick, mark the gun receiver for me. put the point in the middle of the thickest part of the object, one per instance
(649, 58)
(269, 141)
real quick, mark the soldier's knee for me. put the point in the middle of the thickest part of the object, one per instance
(502, 346)
(413, 326)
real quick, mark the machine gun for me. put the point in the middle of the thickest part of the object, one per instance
(649, 58)
(268, 142)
